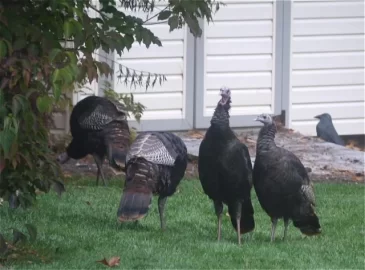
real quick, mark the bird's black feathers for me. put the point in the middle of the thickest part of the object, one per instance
(155, 164)
(282, 184)
(326, 130)
(225, 168)
(99, 127)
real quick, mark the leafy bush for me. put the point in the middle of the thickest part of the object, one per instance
(14, 248)
(46, 47)
(136, 108)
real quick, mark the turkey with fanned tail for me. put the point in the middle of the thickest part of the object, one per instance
(225, 170)
(282, 185)
(99, 127)
(155, 164)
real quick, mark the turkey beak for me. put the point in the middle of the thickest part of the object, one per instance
(256, 119)
(317, 116)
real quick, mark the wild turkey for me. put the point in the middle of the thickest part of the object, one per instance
(225, 170)
(282, 185)
(99, 127)
(326, 130)
(155, 164)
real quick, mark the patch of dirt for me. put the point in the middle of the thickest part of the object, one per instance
(324, 161)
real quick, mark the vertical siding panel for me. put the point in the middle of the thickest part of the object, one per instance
(327, 65)
(240, 53)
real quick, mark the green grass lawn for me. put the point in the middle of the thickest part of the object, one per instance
(80, 228)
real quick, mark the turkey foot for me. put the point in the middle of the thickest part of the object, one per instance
(161, 207)
(274, 221)
(286, 224)
(218, 206)
(238, 220)
(99, 162)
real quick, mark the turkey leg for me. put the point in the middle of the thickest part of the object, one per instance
(238, 220)
(161, 208)
(274, 221)
(286, 223)
(218, 206)
(99, 162)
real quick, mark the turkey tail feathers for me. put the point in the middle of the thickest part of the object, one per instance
(308, 225)
(117, 159)
(134, 205)
(138, 190)
(247, 223)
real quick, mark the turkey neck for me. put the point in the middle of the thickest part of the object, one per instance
(221, 116)
(220, 130)
(266, 139)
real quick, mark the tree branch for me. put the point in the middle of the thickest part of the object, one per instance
(158, 22)
(154, 16)
(135, 70)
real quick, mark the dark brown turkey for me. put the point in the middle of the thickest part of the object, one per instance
(282, 185)
(155, 164)
(99, 127)
(225, 170)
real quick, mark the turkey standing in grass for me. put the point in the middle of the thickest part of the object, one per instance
(282, 185)
(225, 170)
(99, 127)
(326, 131)
(155, 164)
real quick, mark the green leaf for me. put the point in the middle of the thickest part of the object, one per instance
(33, 49)
(128, 39)
(68, 29)
(44, 104)
(164, 15)
(57, 91)
(77, 27)
(19, 44)
(147, 37)
(173, 22)
(15, 124)
(3, 49)
(72, 57)
(53, 54)
(89, 44)
(56, 75)
(32, 232)
(7, 137)
(17, 106)
(193, 25)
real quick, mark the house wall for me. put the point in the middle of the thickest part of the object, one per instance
(168, 106)
(240, 49)
(304, 57)
(327, 65)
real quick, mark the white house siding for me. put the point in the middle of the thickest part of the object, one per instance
(239, 51)
(327, 65)
(166, 101)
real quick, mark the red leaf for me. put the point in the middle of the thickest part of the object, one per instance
(103, 261)
(113, 261)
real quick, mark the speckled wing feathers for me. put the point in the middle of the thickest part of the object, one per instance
(150, 147)
(96, 119)
(308, 193)
(119, 106)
